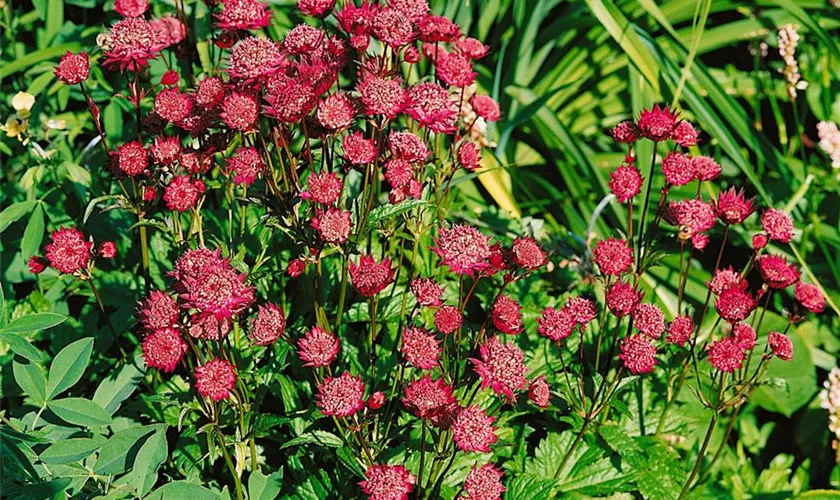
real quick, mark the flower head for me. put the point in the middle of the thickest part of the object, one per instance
(623, 298)
(131, 158)
(370, 278)
(168, 31)
(705, 168)
(131, 8)
(684, 134)
(638, 354)
(677, 169)
(463, 248)
(209, 92)
(219, 290)
(414, 10)
(427, 292)
(393, 28)
(527, 254)
(778, 225)
(626, 132)
(734, 304)
(484, 483)
(358, 150)
(37, 264)
(407, 146)
(163, 349)
(680, 330)
(613, 256)
(556, 324)
(455, 70)
(388, 482)
(430, 105)
(382, 96)
(68, 251)
(539, 392)
(810, 296)
(315, 8)
(246, 165)
(658, 123)
(73, 68)
(131, 45)
(333, 225)
(324, 187)
(420, 348)
(693, 215)
(507, 316)
(649, 319)
(318, 347)
(434, 29)
(341, 396)
(626, 182)
(159, 310)
(215, 379)
(337, 111)
(448, 319)
(208, 326)
(732, 207)
(430, 400)
(166, 150)
(240, 111)
(182, 193)
(777, 272)
(473, 430)
(469, 156)
(781, 345)
(485, 107)
(172, 105)
(726, 355)
(744, 335)
(243, 15)
(268, 326)
(254, 58)
(501, 367)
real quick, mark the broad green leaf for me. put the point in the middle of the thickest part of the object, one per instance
(33, 234)
(71, 450)
(262, 487)
(182, 489)
(527, 487)
(14, 213)
(151, 455)
(33, 323)
(22, 347)
(48, 489)
(390, 211)
(799, 376)
(30, 378)
(46, 54)
(117, 386)
(79, 411)
(119, 453)
(68, 366)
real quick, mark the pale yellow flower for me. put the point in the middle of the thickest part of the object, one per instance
(14, 127)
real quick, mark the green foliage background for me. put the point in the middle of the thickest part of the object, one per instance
(564, 72)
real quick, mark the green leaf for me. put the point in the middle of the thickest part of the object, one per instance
(33, 234)
(33, 323)
(262, 487)
(119, 453)
(55, 18)
(179, 490)
(322, 438)
(68, 366)
(149, 459)
(22, 347)
(117, 387)
(79, 411)
(389, 211)
(14, 213)
(49, 53)
(799, 376)
(71, 450)
(91, 206)
(527, 487)
(49, 489)
(30, 378)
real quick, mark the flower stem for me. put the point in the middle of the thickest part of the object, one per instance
(699, 461)
(645, 210)
(572, 449)
(236, 478)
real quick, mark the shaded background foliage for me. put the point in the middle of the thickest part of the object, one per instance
(564, 72)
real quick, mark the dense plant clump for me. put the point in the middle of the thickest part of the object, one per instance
(313, 315)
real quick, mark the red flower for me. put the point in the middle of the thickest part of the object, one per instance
(168, 31)
(324, 188)
(333, 225)
(684, 134)
(469, 156)
(170, 78)
(485, 107)
(539, 392)
(215, 379)
(638, 354)
(777, 272)
(448, 319)
(726, 355)
(182, 193)
(759, 241)
(131, 158)
(68, 252)
(240, 111)
(243, 15)
(388, 482)
(158, 311)
(810, 297)
(733, 207)
(217, 289)
(723, 279)
(131, 44)
(677, 169)
(556, 324)
(613, 256)
(694, 215)
(341, 396)
(107, 250)
(398, 172)
(527, 254)
(73, 68)
(407, 146)
(648, 319)
(37, 264)
(463, 249)
(501, 367)
(208, 327)
(627, 132)
(455, 70)
(382, 96)
(626, 182)
(473, 49)
(253, 58)
(429, 104)
(370, 278)
(427, 292)
(302, 39)
(657, 124)
(680, 330)
(209, 92)
(376, 400)
(420, 348)
(166, 150)
(131, 8)
(484, 483)
(623, 298)
(414, 10)
(316, 8)
(318, 348)
(434, 29)
(473, 430)
(172, 105)
(358, 150)
(734, 304)
(744, 335)
(268, 326)
(507, 315)
(296, 268)
(581, 309)
(163, 349)
(430, 400)
(781, 345)
(246, 164)
(705, 168)
(337, 111)
(393, 27)
(778, 225)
